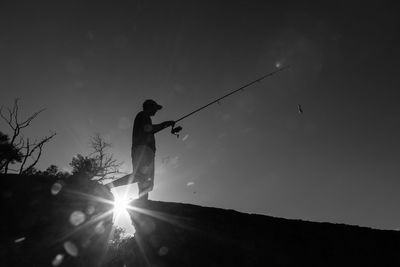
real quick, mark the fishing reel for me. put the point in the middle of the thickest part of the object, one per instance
(176, 130)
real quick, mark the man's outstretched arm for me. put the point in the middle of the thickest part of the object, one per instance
(155, 128)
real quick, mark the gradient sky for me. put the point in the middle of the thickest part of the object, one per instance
(92, 66)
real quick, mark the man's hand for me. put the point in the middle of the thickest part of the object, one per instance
(158, 127)
(169, 123)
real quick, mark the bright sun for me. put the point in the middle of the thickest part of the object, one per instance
(120, 205)
(121, 216)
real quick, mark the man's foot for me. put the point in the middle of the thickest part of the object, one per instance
(109, 185)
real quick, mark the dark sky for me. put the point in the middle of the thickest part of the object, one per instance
(92, 66)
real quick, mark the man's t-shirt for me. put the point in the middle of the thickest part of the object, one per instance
(142, 132)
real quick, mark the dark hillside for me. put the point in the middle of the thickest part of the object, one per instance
(46, 222)
(41, 219)
(175, 234)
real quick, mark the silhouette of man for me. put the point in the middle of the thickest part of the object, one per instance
(143, 149)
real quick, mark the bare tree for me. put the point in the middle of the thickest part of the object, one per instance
(106, 163)
(99, 164)
(30, 151)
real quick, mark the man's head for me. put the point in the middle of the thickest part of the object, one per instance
(151, 106)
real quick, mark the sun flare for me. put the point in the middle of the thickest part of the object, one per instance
(121, 217)
(121, 203)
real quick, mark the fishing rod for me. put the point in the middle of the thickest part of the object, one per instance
(176, 130)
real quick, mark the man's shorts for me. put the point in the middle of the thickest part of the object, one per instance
(143, 165)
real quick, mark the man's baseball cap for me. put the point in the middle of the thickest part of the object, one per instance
(149, 103)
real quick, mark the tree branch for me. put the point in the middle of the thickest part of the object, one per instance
(15, 110)
(10, 116)
(36, 161)
(28, 120)
(106, 165)
(8, 121)
(30, 152)
(25, 156)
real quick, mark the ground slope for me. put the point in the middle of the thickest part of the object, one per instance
(173, 234)
(45, 223)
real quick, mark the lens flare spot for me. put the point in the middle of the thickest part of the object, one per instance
(278, 64)
(19, 240)
(163, 251)
(85, 243)
(90, 210)
(56, 188)
(147, 226)
(57, 260)
(71, 248)
(100, 229)
(77, 217)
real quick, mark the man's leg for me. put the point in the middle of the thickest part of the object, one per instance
(127, 179)
(138, 160)
(143, 190)
(146, 171)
